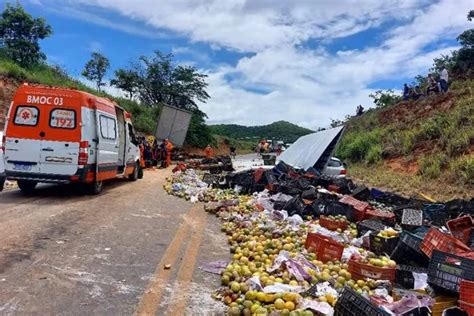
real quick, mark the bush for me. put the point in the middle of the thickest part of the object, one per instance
(357, 147)
(10, 69)
(432, 128)
(431, 166)
(463, 168)
(374, 154)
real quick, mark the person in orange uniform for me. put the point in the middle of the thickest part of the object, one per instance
(169, 148)
(208, 151)
(142, 155)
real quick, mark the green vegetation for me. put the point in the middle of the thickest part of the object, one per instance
(280, 130)
(96, 68)
(419, 145)
(153, 81)
(20, 34)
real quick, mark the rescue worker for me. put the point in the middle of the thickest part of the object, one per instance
(169, 148)
(142, 155)
(208, 152)
(163, 153)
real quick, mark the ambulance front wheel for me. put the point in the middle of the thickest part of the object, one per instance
(96, 187)
(134, 175)
(27, 186)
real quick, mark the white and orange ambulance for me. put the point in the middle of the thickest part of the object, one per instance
(59, 135)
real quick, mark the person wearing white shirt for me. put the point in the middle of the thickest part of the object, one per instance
(443, 80)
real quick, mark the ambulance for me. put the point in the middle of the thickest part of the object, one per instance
(59, 135)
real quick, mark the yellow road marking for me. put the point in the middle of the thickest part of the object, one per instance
(185, 274)
(151, 298)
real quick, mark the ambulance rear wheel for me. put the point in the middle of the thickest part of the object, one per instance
(134, 175)
(140, 172)
(96, 187)
(27, 186)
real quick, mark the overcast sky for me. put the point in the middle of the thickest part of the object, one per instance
(304, 61)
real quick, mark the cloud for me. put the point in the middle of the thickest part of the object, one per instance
(281, 76)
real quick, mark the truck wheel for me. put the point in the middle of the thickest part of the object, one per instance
(27, 186)
(96, 187)
(134, 175)
(140, 171)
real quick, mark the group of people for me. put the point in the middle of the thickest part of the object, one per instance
(434, 86)
(265, 147)
(154, 153)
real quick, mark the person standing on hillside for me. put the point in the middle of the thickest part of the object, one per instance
(443, 80)
(432, 85)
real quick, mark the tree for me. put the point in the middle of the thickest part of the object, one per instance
(20, 34)
(464, 64)
(385, 98)
(96, 68)
(126, 80)
(161, 81)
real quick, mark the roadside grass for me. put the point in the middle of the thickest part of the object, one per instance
(439, 142)
(381, 177)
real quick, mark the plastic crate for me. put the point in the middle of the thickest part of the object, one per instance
(404, 276)
(435, 239)
(325, 248)
(356, 204)
(386, 217)
(375, 193)
(443, 302)
(350, 303)
(380, 245)
(466, 296)
(369, 224)
(362, 271)
(412, 218)
(436, 214)
(330, 224)
(408, 251)
(460, 228)
(446, 270)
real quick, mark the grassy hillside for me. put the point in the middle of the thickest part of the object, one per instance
(416, 146)
(280, 130)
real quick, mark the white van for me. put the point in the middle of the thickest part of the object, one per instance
(58, 135)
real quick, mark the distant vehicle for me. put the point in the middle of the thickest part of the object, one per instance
(2, 164)
(58, 135)
(335, 167)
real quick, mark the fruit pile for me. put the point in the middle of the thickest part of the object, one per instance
(388, 233)
(271, 272)
(188, 185)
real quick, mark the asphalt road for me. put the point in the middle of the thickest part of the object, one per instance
(64, 252)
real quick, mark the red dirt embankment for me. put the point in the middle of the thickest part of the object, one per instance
(7, 90)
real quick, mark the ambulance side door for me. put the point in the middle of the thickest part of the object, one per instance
(107, 146)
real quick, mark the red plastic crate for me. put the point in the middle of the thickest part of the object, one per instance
(435, 239)
(362, 271)
(355, 203)
(330, 224)
(461, 227)
(325, 248)
(466, 296)
(372, 213)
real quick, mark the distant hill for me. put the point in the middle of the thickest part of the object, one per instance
(281, 130)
